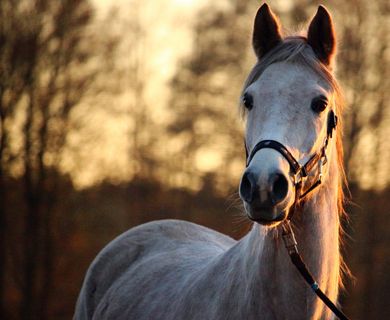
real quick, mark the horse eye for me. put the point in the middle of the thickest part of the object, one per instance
(319, 104)
(248, 101)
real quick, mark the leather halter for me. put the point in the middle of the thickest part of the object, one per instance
(298, 172)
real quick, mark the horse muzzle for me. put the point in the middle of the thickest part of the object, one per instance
(265, 196)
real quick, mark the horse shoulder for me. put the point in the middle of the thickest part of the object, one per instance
(133, 246)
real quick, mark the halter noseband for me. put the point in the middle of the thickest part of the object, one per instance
(299, 173)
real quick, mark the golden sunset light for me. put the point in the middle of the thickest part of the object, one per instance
(169, 40)
(136, 117)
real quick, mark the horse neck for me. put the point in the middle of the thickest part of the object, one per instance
(275, 279)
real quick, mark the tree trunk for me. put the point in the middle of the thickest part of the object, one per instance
(48, 259)
(3, 218)
(31, 232)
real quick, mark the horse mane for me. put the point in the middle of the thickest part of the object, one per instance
(296, 49)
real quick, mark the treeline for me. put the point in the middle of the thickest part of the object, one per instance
(46, 52)
(367, 254)
(39, 54)
(85, 221)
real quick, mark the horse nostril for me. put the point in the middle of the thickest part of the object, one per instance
(247, 187)
(279, 187)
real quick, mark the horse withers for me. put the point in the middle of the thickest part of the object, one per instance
(179, 270)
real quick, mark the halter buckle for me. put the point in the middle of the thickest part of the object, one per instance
(321, 163)
(300, 176)
(289, 238)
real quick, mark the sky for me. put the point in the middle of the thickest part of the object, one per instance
(168, 39)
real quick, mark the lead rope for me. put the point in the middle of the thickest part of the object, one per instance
(292, 249)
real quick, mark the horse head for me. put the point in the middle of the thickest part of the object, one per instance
(289, 100)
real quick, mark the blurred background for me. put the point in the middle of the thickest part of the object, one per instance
(115, 113)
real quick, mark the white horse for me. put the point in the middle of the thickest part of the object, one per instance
(179, 270)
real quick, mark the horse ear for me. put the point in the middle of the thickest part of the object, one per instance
(321, 36)
(266, 31)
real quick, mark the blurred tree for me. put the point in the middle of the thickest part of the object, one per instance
(144, 132)
(15, 71)
(137, 77)
(364, 72)
(205, 94)
(46, 52)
